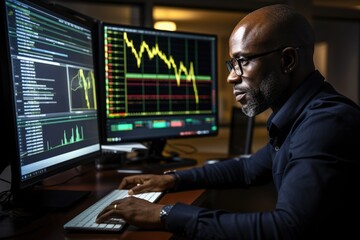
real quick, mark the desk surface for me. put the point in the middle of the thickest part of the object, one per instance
(49, 225)
(99, 183)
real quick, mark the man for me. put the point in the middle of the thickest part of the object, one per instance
(310, 157)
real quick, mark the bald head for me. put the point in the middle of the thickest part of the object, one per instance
(273, 47)
(273, 27)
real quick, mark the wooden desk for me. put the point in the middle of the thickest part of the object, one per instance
(99, 183)
(49, 225)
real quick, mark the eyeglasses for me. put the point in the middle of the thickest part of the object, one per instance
(238, 63)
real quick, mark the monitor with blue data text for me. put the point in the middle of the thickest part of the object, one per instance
(52, 90)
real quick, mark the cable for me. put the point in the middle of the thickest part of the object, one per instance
(79, 173)
(4, 180)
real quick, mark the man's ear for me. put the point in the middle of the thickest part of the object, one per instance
(289, 59)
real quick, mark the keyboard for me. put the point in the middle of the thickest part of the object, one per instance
(85, 221)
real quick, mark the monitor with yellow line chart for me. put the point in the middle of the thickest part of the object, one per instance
(157, 85)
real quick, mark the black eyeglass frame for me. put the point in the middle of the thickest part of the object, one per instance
(238, 61)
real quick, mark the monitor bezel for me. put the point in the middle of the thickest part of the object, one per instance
(7, 146)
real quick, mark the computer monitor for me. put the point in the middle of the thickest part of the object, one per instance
(52, 94)
(157, 85)
(241, 133)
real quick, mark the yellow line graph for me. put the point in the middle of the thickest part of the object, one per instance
(80, 81)
(169, 61)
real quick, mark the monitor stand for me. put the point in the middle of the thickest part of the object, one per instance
(151, 160)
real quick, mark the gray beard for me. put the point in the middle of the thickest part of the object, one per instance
(261, 98)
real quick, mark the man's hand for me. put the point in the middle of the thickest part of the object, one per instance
(135, 211)
(147, 183)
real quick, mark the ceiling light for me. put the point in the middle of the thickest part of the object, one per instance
(165, 25)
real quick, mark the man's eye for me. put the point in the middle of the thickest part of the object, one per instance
(244, 61)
